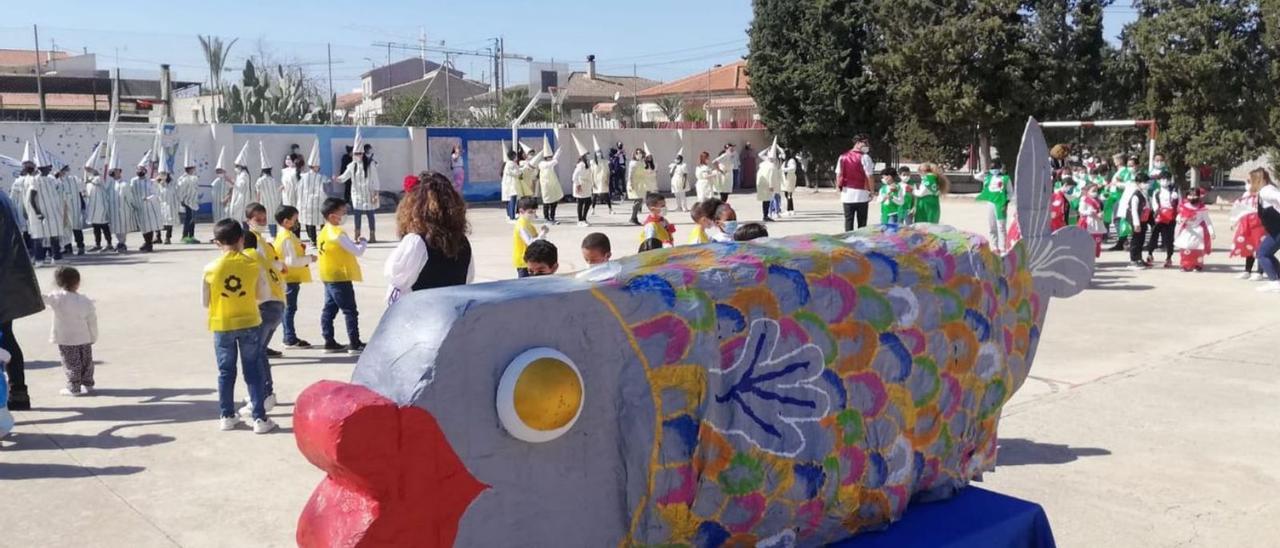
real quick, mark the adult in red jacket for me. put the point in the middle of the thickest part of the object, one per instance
(854, 173)
(21, 298)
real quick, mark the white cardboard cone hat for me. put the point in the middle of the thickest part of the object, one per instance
(243, 158)
(505, 149)
(546, 147)
(186, 156)
(93, 156)
(262, 155)
(222, 156)
(114, 160)
(145, 157)
(577, 143)
(646, 149)
(680, 140)
(313, 159)
(357, 147)
(163, 166)
(26, 153)
(41, 158)
(595, 144)
(526, 149)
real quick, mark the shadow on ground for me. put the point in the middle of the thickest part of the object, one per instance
(1017, 452)
(13, 471)
(157, 406)
(28, 441)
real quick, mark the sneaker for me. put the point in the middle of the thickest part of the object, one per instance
(1256, 277)
(298, 344)
(1244, 276)
(1168, 264)
(356, 348)
(1270, 287)
(583, 223)
(334, 348)
(262, 426)
(69, 392)
(48, 261)
(267, 405)
(86, 390)
(95, 249)
(79, 251)
(227, 424)
(272, 353)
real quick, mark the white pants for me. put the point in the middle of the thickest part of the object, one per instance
(997, 228)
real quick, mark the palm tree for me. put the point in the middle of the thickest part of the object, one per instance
(672, 107)
(215, 54)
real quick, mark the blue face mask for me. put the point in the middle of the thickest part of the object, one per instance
(730, 227)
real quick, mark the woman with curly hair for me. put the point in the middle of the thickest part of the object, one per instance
(434, 251)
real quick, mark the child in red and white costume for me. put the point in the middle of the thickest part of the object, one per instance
(1194, 237)
(1091, 217)
(1248, 232)
(1060, 206)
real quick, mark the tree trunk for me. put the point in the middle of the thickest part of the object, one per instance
(984, 149)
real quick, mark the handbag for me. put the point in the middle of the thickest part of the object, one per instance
(1124, 228)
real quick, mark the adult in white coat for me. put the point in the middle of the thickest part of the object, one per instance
(268, 191)
(600, 181)
(679, 181)
(583, 185)
(768, 181)
(549, 187)
(510, 180)
(220, 189)
(724, 165)
(636, 186)
(789, 171)
(363, 174)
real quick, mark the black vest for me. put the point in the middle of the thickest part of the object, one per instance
(1270, 220)
(443, 271)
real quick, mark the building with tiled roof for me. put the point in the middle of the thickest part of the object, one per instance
(723, 91)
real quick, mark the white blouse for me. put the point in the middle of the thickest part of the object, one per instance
(405, 264)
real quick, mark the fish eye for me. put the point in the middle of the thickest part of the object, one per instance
(539, 395)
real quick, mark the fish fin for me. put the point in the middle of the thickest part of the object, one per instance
(1062, 262)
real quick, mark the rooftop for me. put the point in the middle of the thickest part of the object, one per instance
(27, 57)
(728, 79)
(603, 87)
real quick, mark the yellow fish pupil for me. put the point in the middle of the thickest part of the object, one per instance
(547, 394)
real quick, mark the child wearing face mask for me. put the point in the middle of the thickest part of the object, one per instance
(1091, 217)
(525, 234)
(1195, 231)
(656, 226)
(724, 222)
(887, 196)
(1164, 203)
(1059, 205)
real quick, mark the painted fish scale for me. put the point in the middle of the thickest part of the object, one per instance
(787, 428)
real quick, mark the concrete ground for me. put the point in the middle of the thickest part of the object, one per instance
(1150, 419)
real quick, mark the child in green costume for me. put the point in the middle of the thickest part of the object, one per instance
(995, 192)
(928, 195)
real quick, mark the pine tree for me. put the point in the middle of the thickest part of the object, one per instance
(1203, 74)
(808, 74)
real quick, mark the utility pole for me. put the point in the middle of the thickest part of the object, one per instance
(502, 66)
(333, 99)
(448, 106)
(35, 30)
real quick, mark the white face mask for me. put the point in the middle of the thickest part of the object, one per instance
(1158, 165)
(662, 212)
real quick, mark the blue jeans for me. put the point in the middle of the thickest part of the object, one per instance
(188, 222)
(290, 311)
(1267, 256)
(511, 208)
(247, 343)
(340, 296)
(271, 312)
(271, 228)
(357, 213)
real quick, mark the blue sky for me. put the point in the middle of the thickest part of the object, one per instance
(663, 39)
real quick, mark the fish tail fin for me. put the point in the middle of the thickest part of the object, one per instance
(1061, 262)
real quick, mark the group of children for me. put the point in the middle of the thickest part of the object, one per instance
(1142, 209)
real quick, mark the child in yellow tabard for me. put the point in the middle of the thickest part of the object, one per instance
(270, 305)
(297, 265)
(525, 234)
(699, 233)
(656, 225)
(338, 270)
(230, 290)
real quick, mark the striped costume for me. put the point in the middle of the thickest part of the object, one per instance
(46, 194)
(122, 217)
(73, 200)
(289, 187)
(146, 205)
(189, 192)
(268, 192)
(97, 202)
(311, 196)
(170, 206)
(364, 185)
(221, 189)
(241, 195)
(18, 196)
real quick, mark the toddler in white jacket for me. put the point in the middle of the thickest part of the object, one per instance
(75, 329)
